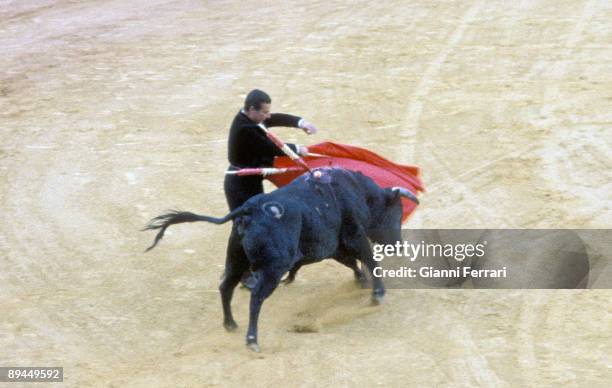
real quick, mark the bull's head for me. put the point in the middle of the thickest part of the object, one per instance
(386, 215)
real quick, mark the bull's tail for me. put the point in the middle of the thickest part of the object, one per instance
(162, 222)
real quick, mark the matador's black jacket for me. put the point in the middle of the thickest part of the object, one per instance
(248, 146)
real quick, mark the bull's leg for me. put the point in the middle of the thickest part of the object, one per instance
(296, 267)
(229, 283)
(236, 264)
(351, 262)
(378, 288)
(360, 277)
(291, 277)
(266, 283)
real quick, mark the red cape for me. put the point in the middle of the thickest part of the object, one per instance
(381, 170)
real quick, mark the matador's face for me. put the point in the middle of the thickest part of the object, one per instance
(260, 115)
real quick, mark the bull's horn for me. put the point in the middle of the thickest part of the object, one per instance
(406, 193)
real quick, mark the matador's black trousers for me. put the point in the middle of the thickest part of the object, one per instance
(238, 189)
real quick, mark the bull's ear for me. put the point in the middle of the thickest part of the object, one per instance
(391, 196)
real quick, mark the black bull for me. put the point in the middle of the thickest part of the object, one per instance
(307, 221)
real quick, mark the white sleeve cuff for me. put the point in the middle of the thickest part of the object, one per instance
(301, 122)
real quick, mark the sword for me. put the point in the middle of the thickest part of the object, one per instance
(263, 171)
(285, 148)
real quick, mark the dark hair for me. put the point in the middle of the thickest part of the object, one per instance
(255, 98)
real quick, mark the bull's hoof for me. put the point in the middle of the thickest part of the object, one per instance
(254, 347)
(288, 280)
(378, 297)
(230, 326)
(360, 279)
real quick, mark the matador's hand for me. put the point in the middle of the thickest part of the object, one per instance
(308, 127)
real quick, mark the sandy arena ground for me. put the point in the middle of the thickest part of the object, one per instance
(113, 111)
